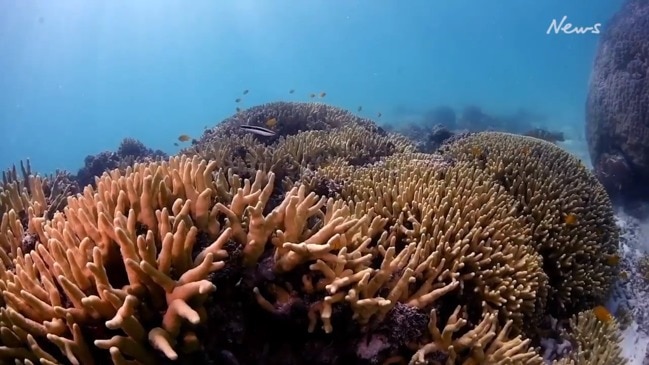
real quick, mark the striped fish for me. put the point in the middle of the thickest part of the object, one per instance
(261, 131)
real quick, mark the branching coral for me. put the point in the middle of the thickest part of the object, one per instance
(291, 157)
(571, 214)
(450, 227)
(596, 341)
(119, 255)
(482, 345)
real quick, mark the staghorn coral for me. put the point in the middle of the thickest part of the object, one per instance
(571, 215)
(115, 267)
(595, 341)
(481, 345)
(18, 191)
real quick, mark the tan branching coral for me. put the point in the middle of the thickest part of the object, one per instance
(117, 254)
(449, 227)
(596, 341)
(484, 344)
(571, 214)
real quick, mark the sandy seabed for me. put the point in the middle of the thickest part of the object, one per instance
(631, 294)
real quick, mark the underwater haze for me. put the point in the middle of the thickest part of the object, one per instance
(79, 76)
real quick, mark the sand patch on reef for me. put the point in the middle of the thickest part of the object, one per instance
(631, 293)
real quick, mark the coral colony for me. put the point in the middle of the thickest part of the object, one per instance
(330, 242)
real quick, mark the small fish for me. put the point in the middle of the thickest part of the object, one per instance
(379, 115)
(270, 123)
(176, 144)
(476, 151)
(322, 95)
(360, 108)
(312, 96)
(245, 92)
(184, 138)
(261, 131)
(291, 91)
(205, 127)
(237, 100)
(238, 109)
(570, 219)
(612, 260)
(602, 314)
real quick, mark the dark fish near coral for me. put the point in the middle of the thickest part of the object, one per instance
(184, 138)
(291, 91)
(238, 109)
(379, 115)
(260, 131)
(176, 144)
(237, 100)
(245, 92)
(360, 108)
(322, 95)
(312, 96)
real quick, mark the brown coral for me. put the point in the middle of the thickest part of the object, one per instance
(572, 217)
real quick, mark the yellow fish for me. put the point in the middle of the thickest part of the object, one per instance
(184, 138)
(570, 219)
(602, 314)
(270, 123)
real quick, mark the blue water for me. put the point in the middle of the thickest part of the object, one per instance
(78, 76)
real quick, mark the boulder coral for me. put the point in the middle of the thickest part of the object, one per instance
(617, 119)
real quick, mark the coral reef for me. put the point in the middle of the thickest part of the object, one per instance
(331, 242)
(617, 121)
(291, 117)
(129, 151)
(295, 151)
(573, 222)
